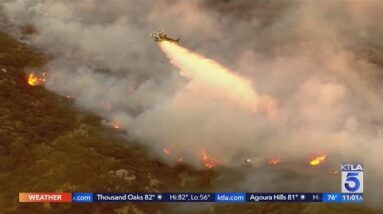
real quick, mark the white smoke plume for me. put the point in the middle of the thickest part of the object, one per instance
(309, 57)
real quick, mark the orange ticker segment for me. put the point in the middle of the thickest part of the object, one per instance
(45, 197)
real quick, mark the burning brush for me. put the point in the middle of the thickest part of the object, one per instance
(36, 79)
(318, 160)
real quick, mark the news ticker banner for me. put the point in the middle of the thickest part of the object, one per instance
(351, 186)
(227, 197)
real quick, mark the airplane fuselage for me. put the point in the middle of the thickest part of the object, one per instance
(161, 36)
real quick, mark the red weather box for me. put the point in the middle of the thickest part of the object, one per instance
(44, 197)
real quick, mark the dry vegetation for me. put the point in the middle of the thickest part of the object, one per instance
(46, 145)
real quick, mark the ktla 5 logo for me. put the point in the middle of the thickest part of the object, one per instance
(352, 178)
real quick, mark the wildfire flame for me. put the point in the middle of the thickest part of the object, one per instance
(213, 80)
(166, 151)
(316, 161)
(116, 124)
(209, 162)
(35, 80)
(274, 161)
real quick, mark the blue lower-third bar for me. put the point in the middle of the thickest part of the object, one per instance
(337, 197)
(230, 197)
(82, 197)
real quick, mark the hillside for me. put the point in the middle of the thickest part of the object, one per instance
(48, 145)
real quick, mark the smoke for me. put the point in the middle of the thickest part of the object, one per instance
(310, 59)
(212, 80)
